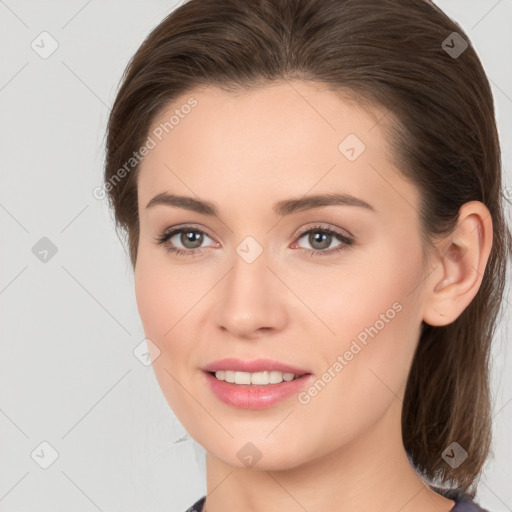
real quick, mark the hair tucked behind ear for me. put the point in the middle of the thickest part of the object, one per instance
(441, 128)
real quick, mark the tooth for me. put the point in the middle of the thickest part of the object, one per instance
(256, 379)
(260, 378)
(242, 378)
(275, 377)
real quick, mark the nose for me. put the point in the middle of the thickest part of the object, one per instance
(251, 300)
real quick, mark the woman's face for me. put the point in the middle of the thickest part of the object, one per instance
(349, 316)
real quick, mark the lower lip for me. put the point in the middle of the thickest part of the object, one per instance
(246, 396)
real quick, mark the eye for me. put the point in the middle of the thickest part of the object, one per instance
(320, 237)
(189, 236)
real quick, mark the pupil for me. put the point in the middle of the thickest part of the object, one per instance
(326, 239)
(194, 237)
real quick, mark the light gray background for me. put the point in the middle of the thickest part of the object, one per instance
(69, 326)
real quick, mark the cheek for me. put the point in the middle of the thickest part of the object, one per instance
(350, 296)
(163, 294)
(161, 305)
(363, 371)
(375, 314)
(168, 299)
(150, 302)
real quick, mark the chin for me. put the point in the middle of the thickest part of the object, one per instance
(257, 454)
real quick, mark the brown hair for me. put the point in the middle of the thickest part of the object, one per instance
(441, 127)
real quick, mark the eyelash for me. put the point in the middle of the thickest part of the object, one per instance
(346, 242)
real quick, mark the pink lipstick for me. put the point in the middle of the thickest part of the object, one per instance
(275, 382)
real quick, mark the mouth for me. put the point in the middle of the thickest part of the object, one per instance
(249, 379)
(258, 390)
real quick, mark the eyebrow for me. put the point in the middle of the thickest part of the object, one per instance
(281, 208)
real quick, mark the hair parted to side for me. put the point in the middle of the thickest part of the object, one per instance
(442, 132)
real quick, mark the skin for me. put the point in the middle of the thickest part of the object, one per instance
(343, 450)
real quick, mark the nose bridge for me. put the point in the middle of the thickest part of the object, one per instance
(249, 275)
(251, 298)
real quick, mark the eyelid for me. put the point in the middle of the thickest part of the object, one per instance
(338, 231)
(184, 227)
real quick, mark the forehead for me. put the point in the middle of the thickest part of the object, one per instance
(292, 136)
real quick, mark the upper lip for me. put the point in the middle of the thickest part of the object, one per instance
(256, 365)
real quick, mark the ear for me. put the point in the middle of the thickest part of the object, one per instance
(459, 265)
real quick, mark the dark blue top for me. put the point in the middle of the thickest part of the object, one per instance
(463, 502)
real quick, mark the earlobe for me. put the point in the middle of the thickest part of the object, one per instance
(461, 261)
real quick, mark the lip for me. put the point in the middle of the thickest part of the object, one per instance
(245, 396)
(256, 365)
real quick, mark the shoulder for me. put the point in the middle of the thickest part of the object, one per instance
(467, 506)
(463, 501)
(198, 505)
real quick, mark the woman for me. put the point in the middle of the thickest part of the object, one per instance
(311, 191)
